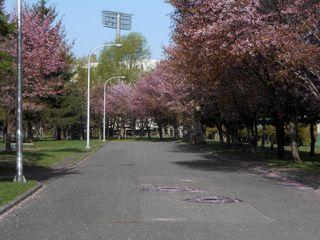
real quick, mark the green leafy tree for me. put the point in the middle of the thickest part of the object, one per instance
(125, 61)
(5, 26)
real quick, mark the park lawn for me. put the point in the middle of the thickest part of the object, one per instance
(47, 154)
(52, 153)
(10, 190)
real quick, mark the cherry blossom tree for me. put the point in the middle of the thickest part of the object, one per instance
(273, 42)
(164, 96)
(46, 60)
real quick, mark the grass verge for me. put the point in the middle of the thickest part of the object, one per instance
(10, 190)
(39, 161)
(47, 154)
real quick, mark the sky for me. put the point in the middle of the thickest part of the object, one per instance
(83, 23)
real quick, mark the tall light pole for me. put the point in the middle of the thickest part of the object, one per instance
(89, 85)
(118, 31)
(19, 135)
(104, 103)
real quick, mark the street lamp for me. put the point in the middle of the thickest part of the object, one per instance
(89, 84)
(19, 135)
(104, 103)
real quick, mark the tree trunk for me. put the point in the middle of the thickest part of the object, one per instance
(312, 140)
(234, 138)
(100, 131)
(133, 128)
(250, 139)
(175, 131)
(220, 131)
(65, 134)
(256, 136)
(148, 132)
(82, 133)
(279, 125)
(58, 134)
(264, 136)
(160, 131)
(164, 133)
(294, 141)
(111, 129)
(9, 126)
(253, 139)
(272, 142)
(228, 138)
(185, 132)
(119, 131)
(29, 131)
(4, 134)
(197, 135)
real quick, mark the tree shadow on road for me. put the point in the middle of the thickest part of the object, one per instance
(215, 160)
(222, 159)
(8, 171)
(70, 150)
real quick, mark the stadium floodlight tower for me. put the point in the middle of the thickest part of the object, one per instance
(117, 20)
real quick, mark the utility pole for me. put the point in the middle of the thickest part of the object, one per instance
(19, 111)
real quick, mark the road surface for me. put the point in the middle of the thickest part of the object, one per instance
(103, 199)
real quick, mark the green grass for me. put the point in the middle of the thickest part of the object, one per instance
(305, 166)
(51, 153)
(45, 154)
(10, 190)
(42, 156)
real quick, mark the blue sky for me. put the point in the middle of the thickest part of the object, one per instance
(82, 20)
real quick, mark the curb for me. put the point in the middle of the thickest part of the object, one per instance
(87, 156)
(4, 209)
(79, 161)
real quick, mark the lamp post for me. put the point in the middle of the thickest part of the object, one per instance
(104, 103)
(19, 135)
(89, 84)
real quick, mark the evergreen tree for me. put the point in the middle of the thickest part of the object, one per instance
(5, 26)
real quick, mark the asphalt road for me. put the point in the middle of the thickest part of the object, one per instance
(101, 200)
